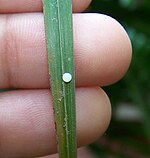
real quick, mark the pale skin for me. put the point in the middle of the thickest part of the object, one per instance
(102, 56)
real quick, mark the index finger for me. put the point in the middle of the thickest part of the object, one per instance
(102, 56)
(15, 6)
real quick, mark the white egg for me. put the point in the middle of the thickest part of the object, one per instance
(67, 77)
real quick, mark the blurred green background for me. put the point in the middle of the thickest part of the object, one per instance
(129, 133)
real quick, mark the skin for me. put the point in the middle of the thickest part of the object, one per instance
(102, 57)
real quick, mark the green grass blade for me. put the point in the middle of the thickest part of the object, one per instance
(59, 35)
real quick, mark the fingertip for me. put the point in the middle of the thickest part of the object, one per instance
(120, 59)
(106, 53)
(95, 119)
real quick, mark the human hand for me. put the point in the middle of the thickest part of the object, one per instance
(102, 56)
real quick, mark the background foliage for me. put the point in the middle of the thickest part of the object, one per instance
(129, 133)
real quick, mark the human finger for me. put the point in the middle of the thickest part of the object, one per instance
(15, 6)
(27, 125)
(102, 51)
